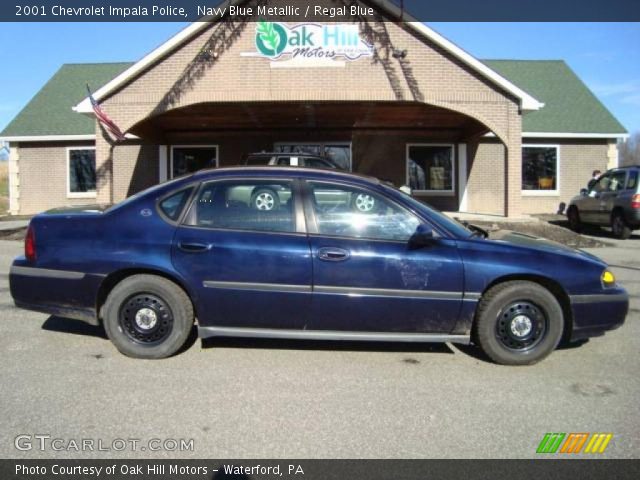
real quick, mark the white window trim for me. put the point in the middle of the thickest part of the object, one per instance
(439, 193)
(70, 194)
(321, 144)
(543, 193)
(170, 172)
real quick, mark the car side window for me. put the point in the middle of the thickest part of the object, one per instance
(173, 205)
(632, 181)
(265, 206)
(616, 182)
(602, 185)
(316, 163)
(285, 161)
(347, 211)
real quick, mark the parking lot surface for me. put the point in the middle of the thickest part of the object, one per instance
(280, 399)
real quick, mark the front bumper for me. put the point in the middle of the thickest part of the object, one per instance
(595, 314)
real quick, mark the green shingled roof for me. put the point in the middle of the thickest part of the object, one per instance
(49, 111)
(570, 107)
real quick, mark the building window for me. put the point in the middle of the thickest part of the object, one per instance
(187, 159)
(82, 172)
(540, 169)
(431, 168)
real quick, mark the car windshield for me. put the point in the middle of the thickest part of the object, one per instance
(451, 225)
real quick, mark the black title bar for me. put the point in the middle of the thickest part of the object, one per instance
(320, 469)
(319, 10)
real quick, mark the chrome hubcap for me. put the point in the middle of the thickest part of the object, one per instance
(146, 318)
(265, 201)
(521, 326)
(364, 203)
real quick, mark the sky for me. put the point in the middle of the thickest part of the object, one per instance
(605, 55)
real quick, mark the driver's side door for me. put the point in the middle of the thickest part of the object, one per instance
(366, 275)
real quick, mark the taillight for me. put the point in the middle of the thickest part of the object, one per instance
(30, 244)
(635, 201)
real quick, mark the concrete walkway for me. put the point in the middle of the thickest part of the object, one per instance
(12, 224)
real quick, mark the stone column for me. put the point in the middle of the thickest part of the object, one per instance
(513, 164)
(14, 180)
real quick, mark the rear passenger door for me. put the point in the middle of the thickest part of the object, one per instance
(244, 249)
(608, 196)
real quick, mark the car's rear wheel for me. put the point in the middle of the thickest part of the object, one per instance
(574, 219)
(146, 316)
(518, 323)
(619, 226)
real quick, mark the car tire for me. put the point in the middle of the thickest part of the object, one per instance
(265, 199)
(573, 216)
(619, 226)
(518, 323)
(363, 203)
(147, 316)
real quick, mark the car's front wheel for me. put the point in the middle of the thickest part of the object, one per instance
(574, 219)
(146, 316)
(518, 323)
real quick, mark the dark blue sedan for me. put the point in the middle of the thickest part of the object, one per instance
(307, 254)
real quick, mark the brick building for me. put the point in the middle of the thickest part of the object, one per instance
(396, 100)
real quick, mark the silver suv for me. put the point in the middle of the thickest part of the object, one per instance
(613, 200)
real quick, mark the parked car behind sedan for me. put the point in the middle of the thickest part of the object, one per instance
(613, 200)
(315, 267)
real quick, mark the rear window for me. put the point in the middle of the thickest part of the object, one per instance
(257, 160)
(172, 206)
(632, 181)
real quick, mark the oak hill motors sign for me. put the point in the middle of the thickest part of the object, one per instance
(310, 41)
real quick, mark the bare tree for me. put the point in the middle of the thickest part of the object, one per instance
(630, 150)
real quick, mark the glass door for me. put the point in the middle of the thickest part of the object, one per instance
(187, 159)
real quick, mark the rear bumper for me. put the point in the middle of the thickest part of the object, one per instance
(593, 315)
(62, 293)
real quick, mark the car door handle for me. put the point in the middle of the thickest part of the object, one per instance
(333, 254)
(193, 247)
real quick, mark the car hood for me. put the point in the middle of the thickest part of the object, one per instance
(537, 243)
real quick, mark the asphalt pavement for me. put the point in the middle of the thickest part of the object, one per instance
(285, 399)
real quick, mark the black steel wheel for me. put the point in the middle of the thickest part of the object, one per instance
(521, 326)
(518, 323)
(146, 316)
(146, 319)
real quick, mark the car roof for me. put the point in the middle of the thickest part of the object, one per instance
(274, 171)
(288, 154)
(623, 167)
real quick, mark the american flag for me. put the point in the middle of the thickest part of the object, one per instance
(104, 119)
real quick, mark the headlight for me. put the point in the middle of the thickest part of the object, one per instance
(608, 279)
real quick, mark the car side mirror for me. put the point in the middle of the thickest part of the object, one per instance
(584, 192)
(422, 236)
